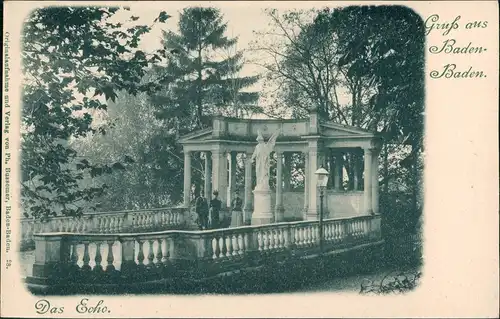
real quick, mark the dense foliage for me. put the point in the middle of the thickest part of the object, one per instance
(73, 60)
(95, 104)
(361, 66)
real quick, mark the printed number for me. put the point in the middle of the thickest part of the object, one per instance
(8, 263)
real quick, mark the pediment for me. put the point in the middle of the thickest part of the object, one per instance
(201, 135)
(334, 129)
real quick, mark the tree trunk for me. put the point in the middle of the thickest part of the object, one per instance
(414, 168)
(199, 98)
(386, 170)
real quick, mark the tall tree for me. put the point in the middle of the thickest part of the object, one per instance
(375, 54)
(202, 75)
(74, 58)
(301, 62)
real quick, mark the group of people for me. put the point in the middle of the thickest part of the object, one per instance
(209, 212)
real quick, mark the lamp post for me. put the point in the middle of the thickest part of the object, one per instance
(322, 178)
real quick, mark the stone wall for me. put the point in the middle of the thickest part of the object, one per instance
(293, 203)
(345, 204)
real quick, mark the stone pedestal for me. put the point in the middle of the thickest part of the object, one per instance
(262, 211)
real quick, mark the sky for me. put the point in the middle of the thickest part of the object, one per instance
(243, 18)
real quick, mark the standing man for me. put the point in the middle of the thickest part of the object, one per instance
(202, 211)
(215, 206)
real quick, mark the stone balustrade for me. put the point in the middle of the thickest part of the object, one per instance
(107, 222)
(64, 259)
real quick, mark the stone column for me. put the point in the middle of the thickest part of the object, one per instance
(368, 181)
(339, 171)
(208, 175)
(312, 212)
(247, 209)
(375, 185)
(306, 183)
(278, 210)
(219, 174)
(287, 171)
(355, 171)
(232, 177)
(187, 178)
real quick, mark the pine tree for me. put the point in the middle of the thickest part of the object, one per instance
(202, 72)
(201, 78)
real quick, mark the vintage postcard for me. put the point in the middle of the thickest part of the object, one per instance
(250, 159)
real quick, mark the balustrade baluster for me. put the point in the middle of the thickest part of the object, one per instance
(83, 223)
(118, 224)
(112, 224)
(110, 258)
(270, 236)
(307, 233)
(215, 247)
(162, 218)
(104, 225)
(151, 255)
(316, 233)
(228, 245)
(159, 252)
(74, 255)
(169, 218)
(245, 241)
(168, 246)
(285, 237)
(163, 251)
(121, 222)
(221, 246)
(276, 238)
(146, 220)
(138, 221)
(240, 244)
(97, 227)
(98, 257)
(142, 219)
(279, 238)
(298, 235)
(140, 255)
(235, 245)
(150, 219)
(86, 257)
(260, 241)
(265, 237)
(312, 230)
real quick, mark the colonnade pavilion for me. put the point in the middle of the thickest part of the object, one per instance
(317, 143)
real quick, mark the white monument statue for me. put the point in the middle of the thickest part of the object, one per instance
(263, 213)
(261, 157)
